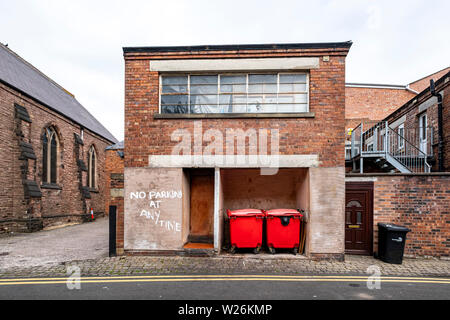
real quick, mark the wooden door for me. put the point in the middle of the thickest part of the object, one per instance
(359, 218)
(202, 206)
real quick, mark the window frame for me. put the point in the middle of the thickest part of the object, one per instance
(423, 127)
(401, 142)
(91, 166)
(247, 94)
(50, 132)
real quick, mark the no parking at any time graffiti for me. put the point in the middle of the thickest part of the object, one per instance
(155, 202)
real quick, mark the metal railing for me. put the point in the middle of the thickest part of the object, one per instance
(382, 141)
(356, 141)
(406, 153)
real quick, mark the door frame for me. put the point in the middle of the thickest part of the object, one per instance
(201, 172)
(362, 186)
(423, 128)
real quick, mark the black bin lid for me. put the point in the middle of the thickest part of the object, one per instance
(393, 227)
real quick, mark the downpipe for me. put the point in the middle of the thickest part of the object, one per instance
(440, 126)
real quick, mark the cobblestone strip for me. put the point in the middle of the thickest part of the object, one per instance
(128, 266)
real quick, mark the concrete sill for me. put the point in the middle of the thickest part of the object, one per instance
(93, 190)
(233, 115)
(51, 186)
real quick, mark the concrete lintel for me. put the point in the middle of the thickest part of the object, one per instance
(233, 115)
(234, 161)
(196, 65)
(360, 179)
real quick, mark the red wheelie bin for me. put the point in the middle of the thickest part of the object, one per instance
(283, 229)
(246, 229)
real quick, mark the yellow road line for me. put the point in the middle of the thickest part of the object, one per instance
(224, 276)
(218, 279)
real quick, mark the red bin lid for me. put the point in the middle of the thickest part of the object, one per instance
(245, 212)
(284, 212)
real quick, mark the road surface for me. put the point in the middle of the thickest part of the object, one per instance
(227, 287)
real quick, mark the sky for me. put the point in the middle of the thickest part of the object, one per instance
(79, 43)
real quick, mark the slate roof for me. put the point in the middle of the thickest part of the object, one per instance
(22, 76)
(117, 146)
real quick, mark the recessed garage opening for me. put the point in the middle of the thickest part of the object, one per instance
(248, 189)
(199, 206)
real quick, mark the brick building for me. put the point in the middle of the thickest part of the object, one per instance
(374, 102)
(191, 113)
(53, 151)
(405, 175)
(371, 103)
(408, 139)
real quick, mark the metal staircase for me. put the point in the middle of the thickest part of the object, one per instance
(388, 150)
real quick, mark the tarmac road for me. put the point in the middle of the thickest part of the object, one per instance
(228, 287)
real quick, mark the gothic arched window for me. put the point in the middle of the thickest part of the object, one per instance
(92, 168)
(50, 151)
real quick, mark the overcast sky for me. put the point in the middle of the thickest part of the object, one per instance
(79, 43)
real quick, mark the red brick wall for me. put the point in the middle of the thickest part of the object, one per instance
(424, 83)
(114, 165)
(322, 135)
(420, 203)
(372, 103)
(56, 206)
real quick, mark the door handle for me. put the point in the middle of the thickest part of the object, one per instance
(400, 239)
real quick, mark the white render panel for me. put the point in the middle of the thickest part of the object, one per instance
(397, 123)
(196, 65)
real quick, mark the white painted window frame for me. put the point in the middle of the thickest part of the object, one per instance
(401, 142)
(307, 92)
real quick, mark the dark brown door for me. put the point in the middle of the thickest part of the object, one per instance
(359, 218)
(202, 206)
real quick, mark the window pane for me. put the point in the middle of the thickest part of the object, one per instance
(44, 157)
(293, 98)
(175, 109)
(293, 87)
(235, 108)
(262, 78)
(233, 99)
(262, 88)
(53, 160)
(233, 80)
(354, 203)
(254, 108)
(174, 89)
(359, 218)
(174, 100)
(203, 99)
(269, 108)
(204, 80)
(348, 219)
(203, 89)
(93, 170)
(175, 80)
(229, 88)
(205, 109)
(292, 78)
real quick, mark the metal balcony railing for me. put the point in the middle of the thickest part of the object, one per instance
(380, 141)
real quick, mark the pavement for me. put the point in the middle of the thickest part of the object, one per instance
(51, 253)
(52, 247)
